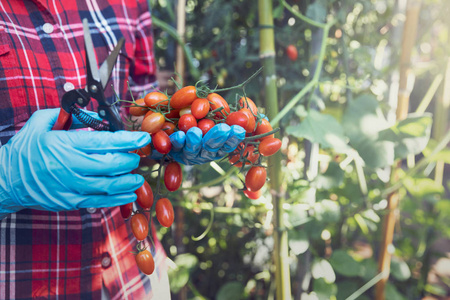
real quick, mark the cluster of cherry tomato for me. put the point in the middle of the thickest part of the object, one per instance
(194, 107)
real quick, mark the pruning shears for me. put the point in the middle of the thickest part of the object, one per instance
(96, 81)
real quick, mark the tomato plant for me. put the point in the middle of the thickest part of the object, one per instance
(217, 101)
(144, 196)
(237, 118)
(126, 210)
(255, 178)
(291, 52)
(186, 122)
(155, 99)
(164, 212)
(205, 125)
(173, 176)
(139, 109)
(269, 146)
(183, 97)
(251, 120)
(264, 127)
(139, 226)
(145, 262)
(153, 123)
(246, 102)
(161, 142)
(200, 108)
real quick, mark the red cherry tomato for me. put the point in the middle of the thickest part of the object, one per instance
(173, 176)
(126, 210)
(264, 127)
(217, 101)
(144, 151)
(139, 226)
(246, 102)
(237, 118)
(145, 196)
(234, 160)
(155, 99)
(186, 122)
(200, 108)
(205, 125)
(249, 154)
(153, 123)
(255, 178)
(291, 52)
(269, 146)
(168, 127)
(185, 111)
(164, 212)
(173, 114)
(161, 142)
(183, 97)
(138, 109)
(253, 195)
(145, 262)
(251, 120)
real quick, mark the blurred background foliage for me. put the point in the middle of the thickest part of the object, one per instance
(335, 219)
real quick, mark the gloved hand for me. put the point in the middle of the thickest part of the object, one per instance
(67, 170)
(193, 149)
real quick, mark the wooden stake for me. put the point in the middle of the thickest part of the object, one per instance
(405, 87)
(181, 29)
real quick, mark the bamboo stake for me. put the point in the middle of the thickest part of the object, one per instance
(267, 56)
(441, 121)
(181, 29)
(408, 40)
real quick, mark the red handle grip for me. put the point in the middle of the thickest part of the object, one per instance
(64, 121)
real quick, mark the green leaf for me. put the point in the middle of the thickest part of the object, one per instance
(230, 290)
(323, 289)
(317, 11)
(322, 129)
(443, 155)
(179, 276)
(333, 177)
(421, 187)
(392, 293)
(400, 269)
(346, 288)
(321, 268)
(298, 241)
(344, 264)
(297, 214)
(362, 122)
(410, 136)
(327, 211)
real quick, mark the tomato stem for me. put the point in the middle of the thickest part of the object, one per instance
(239, 85)
(255, 137)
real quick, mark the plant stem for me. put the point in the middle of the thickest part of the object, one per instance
(267, 55)
(365, 287)
(303, 17)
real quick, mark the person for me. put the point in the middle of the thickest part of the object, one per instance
(61, 231)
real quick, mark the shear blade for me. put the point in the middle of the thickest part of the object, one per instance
(108, 65)
(90, 54)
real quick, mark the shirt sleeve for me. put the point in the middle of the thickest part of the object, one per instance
(143, 74)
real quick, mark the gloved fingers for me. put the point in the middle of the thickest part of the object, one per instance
(99, 201)
(104, 141)
(215, 138)
(193, 143)
(178, 140)
(102, 185)
(237, 135)
(43, 120)
(108, 164)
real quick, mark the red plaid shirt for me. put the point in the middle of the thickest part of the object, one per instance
(69, 255)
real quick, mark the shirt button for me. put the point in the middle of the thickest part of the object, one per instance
(91, 210)
(68, 86)
(106, 260)
(48, 28)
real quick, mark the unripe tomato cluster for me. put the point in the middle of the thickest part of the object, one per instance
(187, 108)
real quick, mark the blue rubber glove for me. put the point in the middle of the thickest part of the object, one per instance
(67, 170)
(193, 149)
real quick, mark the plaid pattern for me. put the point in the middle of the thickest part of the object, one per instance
(47, 255)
